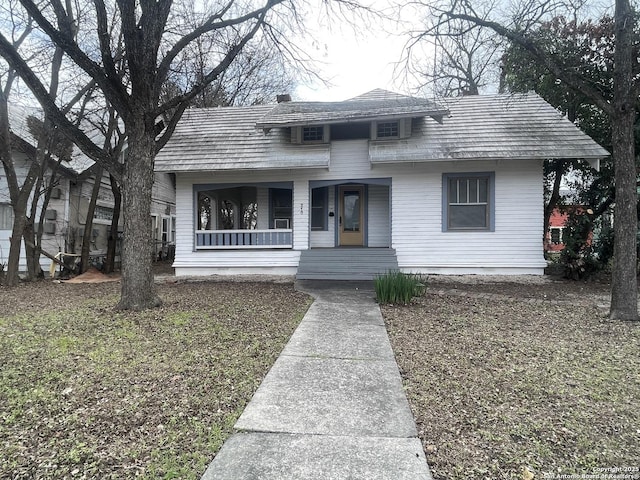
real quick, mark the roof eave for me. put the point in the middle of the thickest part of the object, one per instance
(437, 115)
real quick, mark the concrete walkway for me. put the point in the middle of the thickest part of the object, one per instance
(332, 406)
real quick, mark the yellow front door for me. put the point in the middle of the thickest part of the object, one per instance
(351, 221)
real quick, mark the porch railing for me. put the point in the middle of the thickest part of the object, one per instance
(244, 239)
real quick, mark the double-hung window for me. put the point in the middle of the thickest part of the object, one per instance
(468, 201)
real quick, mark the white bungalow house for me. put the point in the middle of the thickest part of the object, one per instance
(345, 190)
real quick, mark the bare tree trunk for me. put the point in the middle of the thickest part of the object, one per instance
(112, 242)
(624, 282)
(138, 288)
(88, 224)
(15, 242)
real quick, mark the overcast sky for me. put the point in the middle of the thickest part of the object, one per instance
(355, 62)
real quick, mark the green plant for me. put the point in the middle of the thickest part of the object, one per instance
(397, 287)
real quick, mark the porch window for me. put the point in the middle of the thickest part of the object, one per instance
(281, 207)
(242, 217)
(319, 208)
(6, 216)
(468, 201)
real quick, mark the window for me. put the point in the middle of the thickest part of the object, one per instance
(281, 202)
(319, 208)
(468, 201)
(103, 213)
(313, 134)
(387, 130)
(557, 235)
(6, 216)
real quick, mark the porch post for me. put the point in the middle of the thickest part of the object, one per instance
(300, 215)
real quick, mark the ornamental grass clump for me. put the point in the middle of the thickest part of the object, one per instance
(397, 287)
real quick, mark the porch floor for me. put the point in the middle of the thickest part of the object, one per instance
(345, 263)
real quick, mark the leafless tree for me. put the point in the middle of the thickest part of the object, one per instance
(454, 58)
(154, 37)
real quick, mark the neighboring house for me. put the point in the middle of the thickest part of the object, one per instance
(554, 240)
(350, 189)
(66, 215)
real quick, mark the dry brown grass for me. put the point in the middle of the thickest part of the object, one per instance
(513, 380)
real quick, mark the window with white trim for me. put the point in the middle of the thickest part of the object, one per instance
(557, 235)
(468, 201)
(387, 130)
(313, 133)
(6, 216)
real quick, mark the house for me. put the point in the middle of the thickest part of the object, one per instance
(554, 239)
(354, 188)
(66, 213)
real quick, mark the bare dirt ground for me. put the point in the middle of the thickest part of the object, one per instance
(509, 378)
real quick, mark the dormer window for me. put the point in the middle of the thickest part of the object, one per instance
(310, 134)
(391, 129)
(387, 130)
(313, 134)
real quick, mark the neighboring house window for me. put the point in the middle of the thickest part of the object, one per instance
(319, 208)
(557, 236)
(6, 216)
(281, 211)
(103, 213)
(468, 201)
(387, 130)
(313, 134)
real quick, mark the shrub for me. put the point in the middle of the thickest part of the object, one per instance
(397, 287)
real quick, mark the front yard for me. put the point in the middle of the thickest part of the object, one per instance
(86, 392)
(501, 377)
(505, 377)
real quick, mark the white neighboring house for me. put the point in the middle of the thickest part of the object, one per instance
(347, 190)
(66, 214)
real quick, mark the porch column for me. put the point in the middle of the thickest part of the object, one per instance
(300, 215)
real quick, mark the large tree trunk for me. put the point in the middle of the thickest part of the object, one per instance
(138, 289)
(624, 282)
(112, 242)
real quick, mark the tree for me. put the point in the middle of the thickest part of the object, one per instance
(619, 106)
(464, 60)
(586, 47)
(153, 40)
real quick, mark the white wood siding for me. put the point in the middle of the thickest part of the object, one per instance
(514, 247)
(378, 217)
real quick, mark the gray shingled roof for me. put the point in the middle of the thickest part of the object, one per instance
(371, 106)
(521, 126)
(491, 127)
(226, 138)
